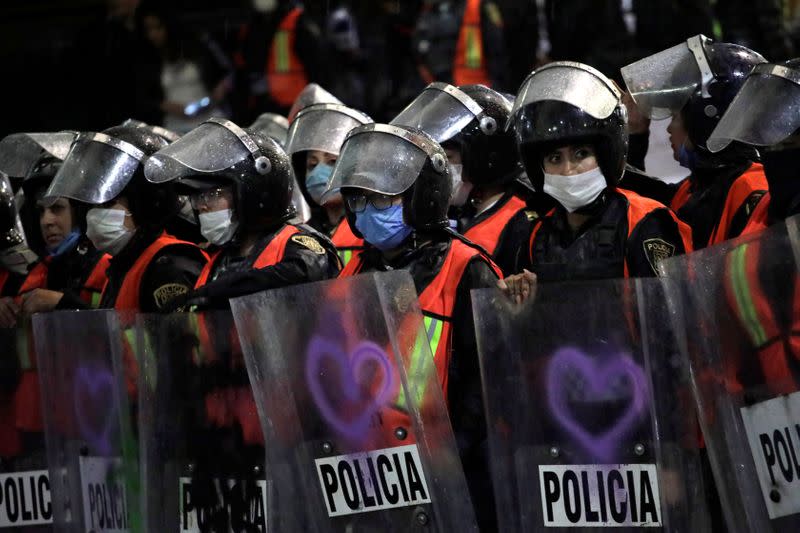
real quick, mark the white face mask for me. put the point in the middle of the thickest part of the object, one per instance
(577, 190)
(218, 227)
(461, 189)
(106, 229)
(17, 258)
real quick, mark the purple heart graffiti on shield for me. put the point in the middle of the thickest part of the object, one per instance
(597, 375)
(95, 406)
(351, 368)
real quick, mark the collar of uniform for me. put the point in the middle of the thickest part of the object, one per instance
(123, 261)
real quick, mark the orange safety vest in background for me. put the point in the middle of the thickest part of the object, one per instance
(286, 75)
(487, 232)
(469, 67)
(236, 404)
(348, 246)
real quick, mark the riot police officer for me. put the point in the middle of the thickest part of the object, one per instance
(487, 198)
(315, 138)
(15, 256)
(396, 185)
(573, 145)
(240, 183)
(695, 82)
(127, 218)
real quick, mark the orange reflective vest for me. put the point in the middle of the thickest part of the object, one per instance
(681, 196)
(286, 76)
(759, 218)
(752, 181)
(92, 287)
(437, 303)
(638, 208)
(487, 232)
(348, 246)
(470, 64)
(778, 347)
(236, 404)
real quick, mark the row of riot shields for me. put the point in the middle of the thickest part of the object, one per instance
(319, 407)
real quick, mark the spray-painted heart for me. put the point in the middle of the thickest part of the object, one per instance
(598, 375)
(350, 368)
(95, 406)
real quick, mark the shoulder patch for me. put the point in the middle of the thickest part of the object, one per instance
(309, 242)
(656, 250)
(752, 201)
(167, 292)
(532, 215)
(494, 14)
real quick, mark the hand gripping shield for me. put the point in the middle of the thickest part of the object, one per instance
(588, 411)
(356, 431)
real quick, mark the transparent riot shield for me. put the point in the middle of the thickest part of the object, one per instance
(589, 414)
(25, 501)
(87, 371)
(739, 306)
(201, 442)
(356, 431)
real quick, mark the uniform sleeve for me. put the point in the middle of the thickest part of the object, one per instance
(464, 392)
(170, 275)
(654, 239)
(514, 241)
(303, 262)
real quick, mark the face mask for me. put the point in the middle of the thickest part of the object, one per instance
(218, 227)
(383, 229)
(576, 191)
(66, 245)
(317, 181)
(106, 229)
(687, 158)
(17, 258)
(461, 189)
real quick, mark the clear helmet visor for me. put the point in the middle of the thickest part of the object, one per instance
(211, 147)
(310, 95)
(438, 113)
(272, 125)
(662, 83)
(377, 161)
(765, 112)
(572, 83)
(20, 151)
(96, 170)
(322, 127)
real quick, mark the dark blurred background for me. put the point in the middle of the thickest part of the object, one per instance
(89, 64)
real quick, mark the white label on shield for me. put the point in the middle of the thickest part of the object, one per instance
(600, 495)
(371, 481)
(773, 432)
(105, 507)
(257, 511)
(25, 499)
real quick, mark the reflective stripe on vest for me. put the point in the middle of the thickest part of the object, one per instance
(487, 232)
(470, 67)
(753, 180)
(286, 76)
(347, 244)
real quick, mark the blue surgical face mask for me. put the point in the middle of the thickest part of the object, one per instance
(385, 229)
(69, 242)
(317, 181)
(687, 158)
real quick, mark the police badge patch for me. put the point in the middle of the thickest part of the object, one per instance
(167, 292)
(309, 242)
(656, 251)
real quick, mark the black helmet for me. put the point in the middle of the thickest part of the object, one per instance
(568, 103)
(392, 160)
(166, 134)
(218, 151)
(471, 118)
(103, 166)
(272, 125)
(698, 78)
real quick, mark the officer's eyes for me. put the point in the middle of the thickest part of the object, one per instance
(553, 159)
(583, 153)
(310, 167)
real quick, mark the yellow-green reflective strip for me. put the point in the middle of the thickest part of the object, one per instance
(23, 352)
(473, 58)
(744, 297)
(422, 365)
(95, 303)
(345, 256)
(282, 51)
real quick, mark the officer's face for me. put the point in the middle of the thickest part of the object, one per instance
(453, 155)
(315, 157)
(570, 160)
(677, 135)
(211, 200)
(55, 221)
